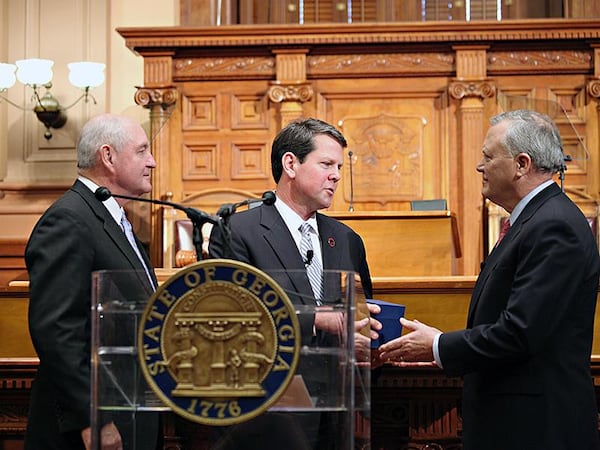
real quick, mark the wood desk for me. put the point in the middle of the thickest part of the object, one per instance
(411, 408)
(407, 243)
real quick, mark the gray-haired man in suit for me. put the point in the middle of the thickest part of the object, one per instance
(76, 236)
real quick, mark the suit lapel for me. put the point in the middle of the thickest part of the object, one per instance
(115, 233)
(330, 250)
(513, 234)
(278, 237)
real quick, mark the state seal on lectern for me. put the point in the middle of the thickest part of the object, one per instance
(219, 342)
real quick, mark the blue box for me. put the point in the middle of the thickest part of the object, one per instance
(390, 319)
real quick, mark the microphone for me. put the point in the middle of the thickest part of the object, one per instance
(228, 209)
(351, 207)
(195, 215)
(309, 257)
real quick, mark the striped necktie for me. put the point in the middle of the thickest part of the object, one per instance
(312, 264)
(128, 230)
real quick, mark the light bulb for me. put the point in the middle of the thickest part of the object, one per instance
(7, 75)
(34, 71)
(86, 74)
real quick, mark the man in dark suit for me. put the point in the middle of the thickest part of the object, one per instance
(76, 236)
(525, 355)
(306, 158)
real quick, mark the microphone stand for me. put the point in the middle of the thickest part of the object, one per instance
(225, 212)
(197, 217)
(351, 207)
(229, 209)
(561, 172)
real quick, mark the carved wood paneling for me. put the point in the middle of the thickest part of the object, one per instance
(158, 71)
(16, 377)
(200, 112)
(449, 74)
(359, 35)
(224, 67)
(201, 161)
(470, 62)
(381, 64)
(539, 61)
(410, 408)
(249, 112)
(397, 152)
(250, 161)
(290, 65)
(387, 157)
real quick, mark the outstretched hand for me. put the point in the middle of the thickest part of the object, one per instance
(414, 348)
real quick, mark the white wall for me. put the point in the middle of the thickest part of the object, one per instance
(126, 67)
(65, 31)
(3, 106)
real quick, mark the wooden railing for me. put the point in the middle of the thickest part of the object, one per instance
(411, 408)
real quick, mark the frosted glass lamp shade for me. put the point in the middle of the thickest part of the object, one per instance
(7, 75)
(34, 71)
(86, 74)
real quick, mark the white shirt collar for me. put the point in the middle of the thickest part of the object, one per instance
(293, 220)
(525, 200)
(111, 204)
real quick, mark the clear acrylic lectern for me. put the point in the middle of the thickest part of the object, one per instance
(215, 349)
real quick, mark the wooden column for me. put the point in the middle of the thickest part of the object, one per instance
(159, 96)
(593, 90)
(290, 90)
(470, 87)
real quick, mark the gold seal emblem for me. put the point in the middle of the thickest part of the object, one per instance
(219, 342)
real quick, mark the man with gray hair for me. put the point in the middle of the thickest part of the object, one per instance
(525, 354)
(76, 236)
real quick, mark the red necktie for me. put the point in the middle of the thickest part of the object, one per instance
(503, 230)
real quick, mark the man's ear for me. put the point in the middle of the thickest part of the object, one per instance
(106, 155)
(524, 162)
(289, 161)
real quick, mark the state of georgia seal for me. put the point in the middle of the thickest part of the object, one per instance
(219, 342)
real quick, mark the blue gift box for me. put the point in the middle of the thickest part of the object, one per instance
(390, 319)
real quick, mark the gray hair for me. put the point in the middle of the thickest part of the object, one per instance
(105, 129)
(535, 134)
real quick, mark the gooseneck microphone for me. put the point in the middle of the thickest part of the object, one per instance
(197, 217)
(228, 209)
(351, 207)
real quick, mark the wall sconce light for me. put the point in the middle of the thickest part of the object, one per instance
(37, 73)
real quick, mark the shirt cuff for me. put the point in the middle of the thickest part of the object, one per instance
(436, 350)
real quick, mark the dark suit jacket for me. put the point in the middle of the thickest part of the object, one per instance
(261, 238)
(525, 355)
(74, 237)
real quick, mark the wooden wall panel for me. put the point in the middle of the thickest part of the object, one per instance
(563, 99)
(410, 408)
(224, 140)
(398, 153)
(414, 101)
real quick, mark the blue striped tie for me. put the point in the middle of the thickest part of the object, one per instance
(312, 264)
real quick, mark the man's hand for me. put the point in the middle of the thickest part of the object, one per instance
(366, 329)
(414, 348)
(110, 438)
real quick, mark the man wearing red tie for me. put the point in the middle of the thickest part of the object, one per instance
(525, 354)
